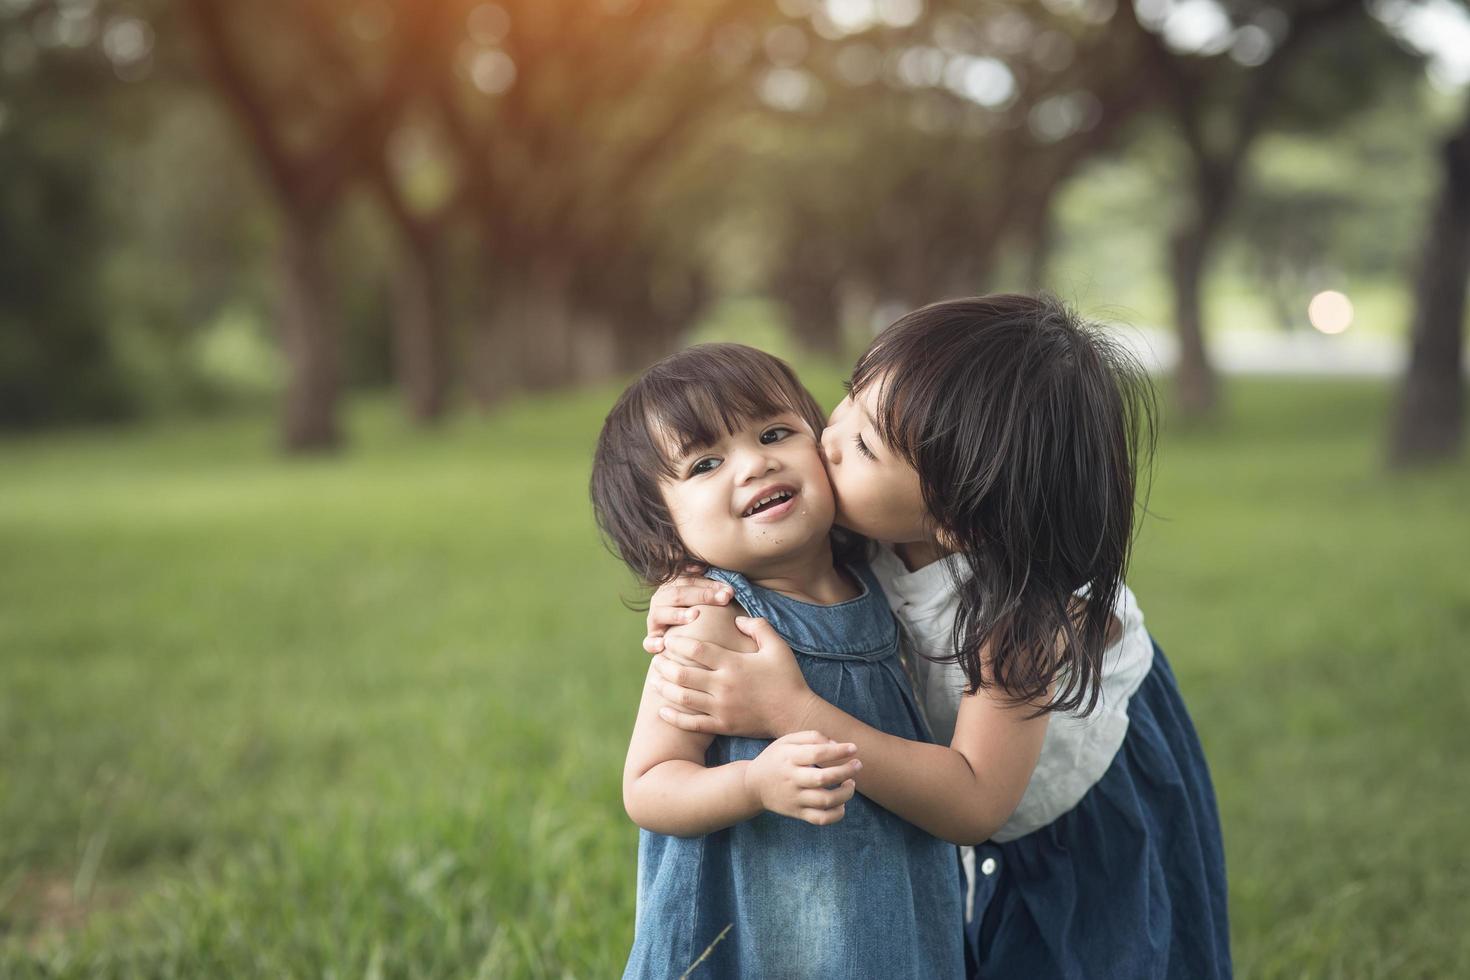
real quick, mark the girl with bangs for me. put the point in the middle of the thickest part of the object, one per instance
(755, 857)
(991, 448)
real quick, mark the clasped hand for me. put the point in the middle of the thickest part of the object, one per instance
(805, 775)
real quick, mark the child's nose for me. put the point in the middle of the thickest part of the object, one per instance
(828, 445)
(758, 462)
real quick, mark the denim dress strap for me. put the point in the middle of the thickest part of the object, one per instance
(861, 628)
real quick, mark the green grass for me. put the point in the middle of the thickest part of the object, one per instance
(365, 716)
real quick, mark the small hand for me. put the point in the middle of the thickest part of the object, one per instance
(806, 775)
(672, 604)
(716, 691)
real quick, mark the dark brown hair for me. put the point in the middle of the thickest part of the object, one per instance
(687, 400)
(1025, 425)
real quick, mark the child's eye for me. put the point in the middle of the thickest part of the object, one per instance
(774, 434)
(704, 465)
(862, 447)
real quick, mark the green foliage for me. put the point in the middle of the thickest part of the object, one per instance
(55, 363)
(1343, 213)
(365, 717)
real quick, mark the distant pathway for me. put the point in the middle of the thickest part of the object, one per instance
(1302, 352)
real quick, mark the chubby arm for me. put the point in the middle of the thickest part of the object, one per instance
(963, 792)
(668, 789)
(666, 786)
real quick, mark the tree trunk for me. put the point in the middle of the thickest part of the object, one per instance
(816, 319)
(310, 337)
(419, 331)
(525, 341)
(594, 347)
(486, 375)
(1429, 423)
(806, 284)
(539, 318)
(1195, 384)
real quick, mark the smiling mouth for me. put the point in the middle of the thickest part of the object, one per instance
(767, 502)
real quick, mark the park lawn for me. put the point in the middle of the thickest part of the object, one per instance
(365, 716)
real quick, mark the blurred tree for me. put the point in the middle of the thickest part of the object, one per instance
(1429, 421)
(60, 65)
(567, 123)
(1288, 233)
(1339, 210)
(1327, 202)
(396, 167)
(941, 137)
(56, 364)
(1227, 73)
(313, 132)
(420, 312)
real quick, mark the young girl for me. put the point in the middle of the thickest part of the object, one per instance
(712, 456)
(991, 445)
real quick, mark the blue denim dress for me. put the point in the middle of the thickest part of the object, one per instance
(871, 896)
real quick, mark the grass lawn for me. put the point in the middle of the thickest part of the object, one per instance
(365, 716)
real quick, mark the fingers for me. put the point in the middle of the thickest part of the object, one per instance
(661, 618)
(821, 777)
(672, 654)
(693, 592)
(823, 818)
(654, 644)
(673, 603)
(694, 677)
(826, 799)
(685, 699)
(757, 629)
(827, 754)
(697, 652)
(701, 724)
(804, 738)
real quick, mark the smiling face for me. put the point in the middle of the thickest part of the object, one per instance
(876, 491)
(754, 497)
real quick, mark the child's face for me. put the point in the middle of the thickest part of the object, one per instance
(877, 493)
(715, 492)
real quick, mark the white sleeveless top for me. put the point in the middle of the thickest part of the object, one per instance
(1076, 751)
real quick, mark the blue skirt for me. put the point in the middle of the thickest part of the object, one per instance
(1128, 884)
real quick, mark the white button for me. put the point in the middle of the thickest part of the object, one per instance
(987, 866)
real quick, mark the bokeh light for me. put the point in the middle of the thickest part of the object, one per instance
(1330, 312)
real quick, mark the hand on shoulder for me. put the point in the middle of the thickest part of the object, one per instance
(716, 625)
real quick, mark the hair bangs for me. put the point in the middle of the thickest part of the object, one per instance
(699, 400)
(909, 384)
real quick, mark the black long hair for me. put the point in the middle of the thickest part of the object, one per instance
(1026, 426)
(688, 399)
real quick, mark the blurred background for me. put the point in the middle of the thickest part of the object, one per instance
(310, 311)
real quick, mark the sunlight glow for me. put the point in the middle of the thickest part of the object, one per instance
(1437, 28)
(1330, 312)
(852, 16)
(493, 72)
